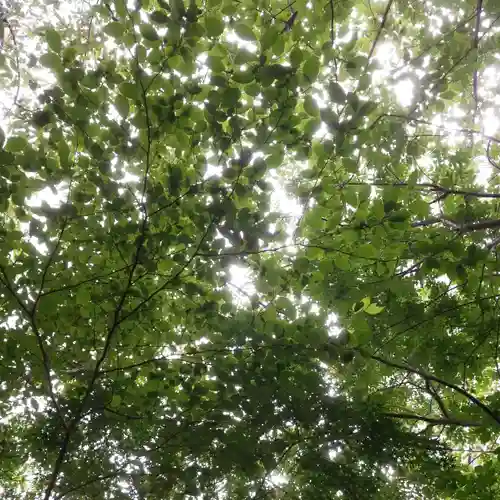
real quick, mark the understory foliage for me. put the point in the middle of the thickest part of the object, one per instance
(248, 249)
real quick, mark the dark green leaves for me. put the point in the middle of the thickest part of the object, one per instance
(356, 65)
(149, 33)
(269, 37)
(296, 56)
(311, 68)
(114, 29)
(130, 90)
(214, 26)
(243, 76)
(122, 105)
(336, 93)
(16, 144)
(226, 253)
(310, 106)
(159, 17)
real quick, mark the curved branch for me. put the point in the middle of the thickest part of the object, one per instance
(433, 420)
(428, 376)
(491, 161)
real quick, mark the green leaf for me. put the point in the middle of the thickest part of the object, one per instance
(214, 26)
(16, 144)
(175, 62)
(244, 57)
(116, 400)
(269, 37)
(336, 93)
(342, 262)
(54, 40)
(130, 90)
(245, 32)
(51, 60)
(361, 305)
(311, 106)
(360, 329)
(69, 55)
(276, 158)
(148, 32)
(230, 97)
(311, 68)
(122, 105)
(121, 8)
(114, 29)
(243, 76)
(296, 57)
(373, 309)
(355, 65)
(187, 229)
(159, 17)
(366, 251)
(366, 108)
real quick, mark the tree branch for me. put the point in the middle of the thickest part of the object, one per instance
(428, 376)
(433, 420)
(39, 338)
(446, 127)
(433, 392)
(464, 227)
(424, 186)
(116, 321)
(379, 31)
(475, 45)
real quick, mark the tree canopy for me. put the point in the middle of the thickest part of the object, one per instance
(249, 249)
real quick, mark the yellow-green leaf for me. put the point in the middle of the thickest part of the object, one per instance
(373, 309)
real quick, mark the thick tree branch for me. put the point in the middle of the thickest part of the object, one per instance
(434, 420)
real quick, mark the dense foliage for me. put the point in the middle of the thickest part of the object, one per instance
(339, 156)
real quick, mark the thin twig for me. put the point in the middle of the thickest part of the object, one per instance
(475, 45)
(379, 31)
(424, 186)
(39, 338)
